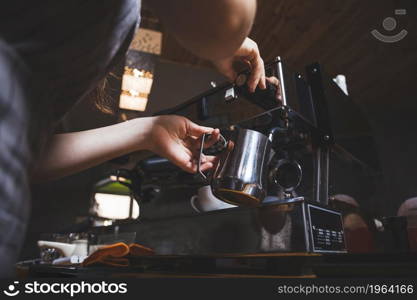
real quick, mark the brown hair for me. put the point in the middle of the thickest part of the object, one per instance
(101, 97)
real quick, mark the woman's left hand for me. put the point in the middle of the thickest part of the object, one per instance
(178, 139)
(248, 53)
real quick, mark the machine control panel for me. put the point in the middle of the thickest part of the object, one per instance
(326, 229)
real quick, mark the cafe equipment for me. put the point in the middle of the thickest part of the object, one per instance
(114, 198)
(291, 146)
(240, 176)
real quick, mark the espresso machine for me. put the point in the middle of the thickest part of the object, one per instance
(287, 138)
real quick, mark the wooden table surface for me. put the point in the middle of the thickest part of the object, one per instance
(259, 265)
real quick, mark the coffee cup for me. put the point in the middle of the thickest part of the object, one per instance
(205, 201)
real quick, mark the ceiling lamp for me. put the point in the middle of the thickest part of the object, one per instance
(139, 69)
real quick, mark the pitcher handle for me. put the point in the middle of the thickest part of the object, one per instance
(203, 137)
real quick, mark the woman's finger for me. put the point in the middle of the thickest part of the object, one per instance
(214, 138)
(257, 76)
(275, 81)
(196, 130)
(212, 159)
(180, 156)
(206, 166)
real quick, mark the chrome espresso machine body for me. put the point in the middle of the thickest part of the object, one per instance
(312, 157)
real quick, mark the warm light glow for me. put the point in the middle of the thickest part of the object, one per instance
(111, 206)
(132, 103)
(115, 178)
(136, 86)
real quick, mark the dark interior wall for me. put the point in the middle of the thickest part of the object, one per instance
(177, 83)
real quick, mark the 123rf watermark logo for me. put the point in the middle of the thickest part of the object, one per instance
(68, 288)
(12, 290)
(389, 25)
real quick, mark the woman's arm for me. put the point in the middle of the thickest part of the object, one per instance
(211, 29)
(216, 30)
(173, 137)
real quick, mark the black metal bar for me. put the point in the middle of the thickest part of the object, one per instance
(315, 79)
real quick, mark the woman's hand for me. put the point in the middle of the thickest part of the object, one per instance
(178, 139)
(249, 54)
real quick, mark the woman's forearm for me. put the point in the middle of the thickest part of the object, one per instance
(69, 153)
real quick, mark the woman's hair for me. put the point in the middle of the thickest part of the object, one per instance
(101, 96)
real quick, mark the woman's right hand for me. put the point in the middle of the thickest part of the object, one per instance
(247, 53)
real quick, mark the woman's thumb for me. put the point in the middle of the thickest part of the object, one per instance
(197, 130)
